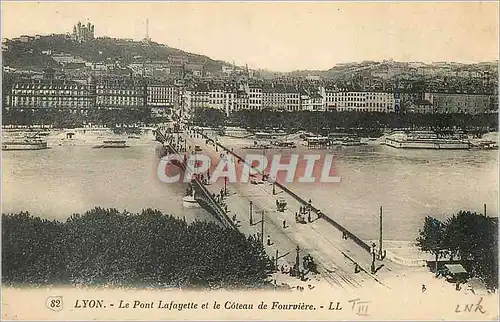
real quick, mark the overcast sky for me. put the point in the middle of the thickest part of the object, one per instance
(281, 36)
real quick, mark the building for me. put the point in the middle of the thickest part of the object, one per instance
(217, 97)
(120, 93)
(254, 92)
(459, 102)
(83, 33)
(361, 101)
(312, 101)
(162, 98)
(197, 97)
(241, 101)
(293, 103)
(273, 97)
(51, 94)
(422, 107)
(67, 59)
(26, 38)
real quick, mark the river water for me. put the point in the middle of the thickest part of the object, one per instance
(63, 180)
(408, 184)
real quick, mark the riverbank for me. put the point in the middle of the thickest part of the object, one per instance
(82, 136)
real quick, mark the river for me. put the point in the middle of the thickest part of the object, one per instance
(408, 184)
(63, 180)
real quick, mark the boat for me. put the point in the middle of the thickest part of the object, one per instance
(483, 145)
(345, 139)
(317, 141)
(26, 144)
(112, 144)
(424, 140)
(285, 144)
(257, 147)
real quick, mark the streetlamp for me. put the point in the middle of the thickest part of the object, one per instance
(262, 229)
(297, 261)
(225, 186)
(251, 211)
(373, 251)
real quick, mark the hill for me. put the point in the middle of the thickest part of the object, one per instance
(34, 53)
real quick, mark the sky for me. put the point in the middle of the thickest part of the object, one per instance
(281, 36)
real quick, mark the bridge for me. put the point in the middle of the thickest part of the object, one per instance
(343, 259)
(202, 195)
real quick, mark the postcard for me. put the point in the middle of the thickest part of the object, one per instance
(249, 161)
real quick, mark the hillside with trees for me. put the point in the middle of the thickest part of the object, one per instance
(29, 55)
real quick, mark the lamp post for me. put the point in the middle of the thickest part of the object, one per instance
(373, 251)
(262, 229)
(251, 211)
(380, 254)
(297, 261)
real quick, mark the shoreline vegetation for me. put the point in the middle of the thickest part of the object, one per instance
(362, 123)
(105, 247)
(465, 238)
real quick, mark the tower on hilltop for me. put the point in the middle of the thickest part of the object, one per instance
(147, 39)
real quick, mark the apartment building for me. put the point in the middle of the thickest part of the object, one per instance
(459, 102)
(254, 92)
(274, 97)
(44, 94)
(312, 101)
(292, 99)
(161, 98)
(120, 93)
(361, 101)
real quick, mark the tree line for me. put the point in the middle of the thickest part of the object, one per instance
(61, 118)
(148, 249)
(325, 122)
(468, 237)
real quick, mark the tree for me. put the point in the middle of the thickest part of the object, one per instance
(431, 237)
(108, 247)
(474, 238)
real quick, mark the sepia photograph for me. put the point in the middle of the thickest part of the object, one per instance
(219, 160)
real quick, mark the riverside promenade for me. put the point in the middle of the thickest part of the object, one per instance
(342, 262)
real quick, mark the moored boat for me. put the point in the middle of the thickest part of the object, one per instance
(116, 144)
(424, 140)
(27, 144)
(484, 145)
